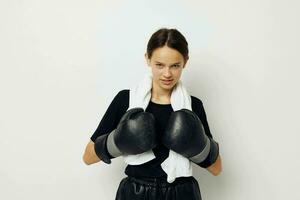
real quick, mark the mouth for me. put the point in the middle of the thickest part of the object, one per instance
(167, 82)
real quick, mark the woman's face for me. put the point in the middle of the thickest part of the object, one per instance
(166, 65)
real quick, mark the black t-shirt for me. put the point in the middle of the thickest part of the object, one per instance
(161, 112)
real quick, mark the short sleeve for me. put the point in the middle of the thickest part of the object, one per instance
(197, 107)
(109, 120)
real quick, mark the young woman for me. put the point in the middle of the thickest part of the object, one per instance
(167, 56)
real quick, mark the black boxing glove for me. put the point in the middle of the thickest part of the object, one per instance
(134, 134)
(185, 135)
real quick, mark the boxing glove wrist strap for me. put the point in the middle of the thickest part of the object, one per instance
(204, 153)
(111, 146)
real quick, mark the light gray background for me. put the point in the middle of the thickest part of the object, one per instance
(63, 61)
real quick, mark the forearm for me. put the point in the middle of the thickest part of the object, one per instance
(90, 156)
(216, 168)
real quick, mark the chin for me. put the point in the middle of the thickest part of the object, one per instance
(167, 87)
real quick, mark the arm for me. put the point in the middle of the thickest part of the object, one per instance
(185, 135)
(216, 168)
(106, 125)
(89, 156)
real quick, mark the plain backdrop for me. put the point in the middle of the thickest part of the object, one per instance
(63, 61)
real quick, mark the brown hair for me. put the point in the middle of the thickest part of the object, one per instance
(170, 37)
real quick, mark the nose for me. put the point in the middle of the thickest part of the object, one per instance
(167, 72)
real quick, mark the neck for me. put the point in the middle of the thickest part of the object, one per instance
(158, 93)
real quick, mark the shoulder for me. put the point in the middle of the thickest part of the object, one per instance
(123, 92)
(196, 102)
(122, 95)
(197, 106)
(122, 99)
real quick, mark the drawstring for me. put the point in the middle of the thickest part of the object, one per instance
(158, 183)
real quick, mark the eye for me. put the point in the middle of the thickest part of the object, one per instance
(159, 65)
(176, 65)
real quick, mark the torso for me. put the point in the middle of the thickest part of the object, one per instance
(161, 109)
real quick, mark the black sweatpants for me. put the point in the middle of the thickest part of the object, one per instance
(131, 188)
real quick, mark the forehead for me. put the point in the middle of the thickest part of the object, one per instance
(166, 55)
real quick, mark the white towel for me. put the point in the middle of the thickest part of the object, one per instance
(175, 165)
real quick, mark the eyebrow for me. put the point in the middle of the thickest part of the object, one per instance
(163, 63)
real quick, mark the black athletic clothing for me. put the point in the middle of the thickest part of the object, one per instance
(131, 188)
(161, 112)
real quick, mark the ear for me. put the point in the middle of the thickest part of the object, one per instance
(185, 62)
(147, 59)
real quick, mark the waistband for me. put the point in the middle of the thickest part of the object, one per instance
(161, 181)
